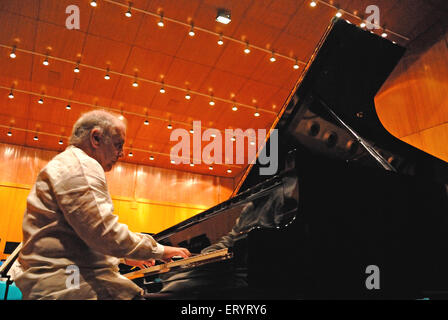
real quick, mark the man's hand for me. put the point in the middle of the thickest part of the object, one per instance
(142, 264)
(174, 251)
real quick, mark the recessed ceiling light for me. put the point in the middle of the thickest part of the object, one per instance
(223, 16)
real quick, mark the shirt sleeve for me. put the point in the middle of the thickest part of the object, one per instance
(85, 202)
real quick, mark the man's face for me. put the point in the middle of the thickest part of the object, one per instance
(111, 148)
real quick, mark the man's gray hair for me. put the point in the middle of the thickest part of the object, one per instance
(101, 119)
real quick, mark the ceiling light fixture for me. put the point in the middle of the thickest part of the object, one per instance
(220, 41)
(162, 89)
(229, 171)
(135, 83)
(9, 134)
(296, 65)
(130, 154)
(256, 114)
(384, 34)
(272, 59)
(129, 13)
(36, 138)
(234, 108)
(11, 94)
(191, 33)
(146, 122)
(40, 101)
(76, 70)
(107, 76)
(187, 96)
(45, 62)
(93, 3)
(338, 14)
(13, 55)
(223, 16)
(151, 158)
(363, 24)
(160, 23)
(61, 142)
(211, 102)
(247, 50)
(313, 4)
(68, 107)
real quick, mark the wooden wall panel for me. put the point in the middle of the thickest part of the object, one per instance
(413, 103)
(13, 201)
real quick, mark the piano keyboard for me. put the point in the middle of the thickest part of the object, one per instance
(199, 259)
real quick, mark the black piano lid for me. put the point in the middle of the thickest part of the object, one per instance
(345, 73)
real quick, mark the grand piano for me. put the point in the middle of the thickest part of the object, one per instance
(352, 212)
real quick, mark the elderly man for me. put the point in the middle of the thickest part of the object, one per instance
(72, 241)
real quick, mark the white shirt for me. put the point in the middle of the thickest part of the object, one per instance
(68, 222)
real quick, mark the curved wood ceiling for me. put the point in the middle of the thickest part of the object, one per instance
(136, 49)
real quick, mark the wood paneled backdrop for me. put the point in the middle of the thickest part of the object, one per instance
(413, 103)
(147, 199)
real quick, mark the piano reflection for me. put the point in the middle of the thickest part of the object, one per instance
(348, 198)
